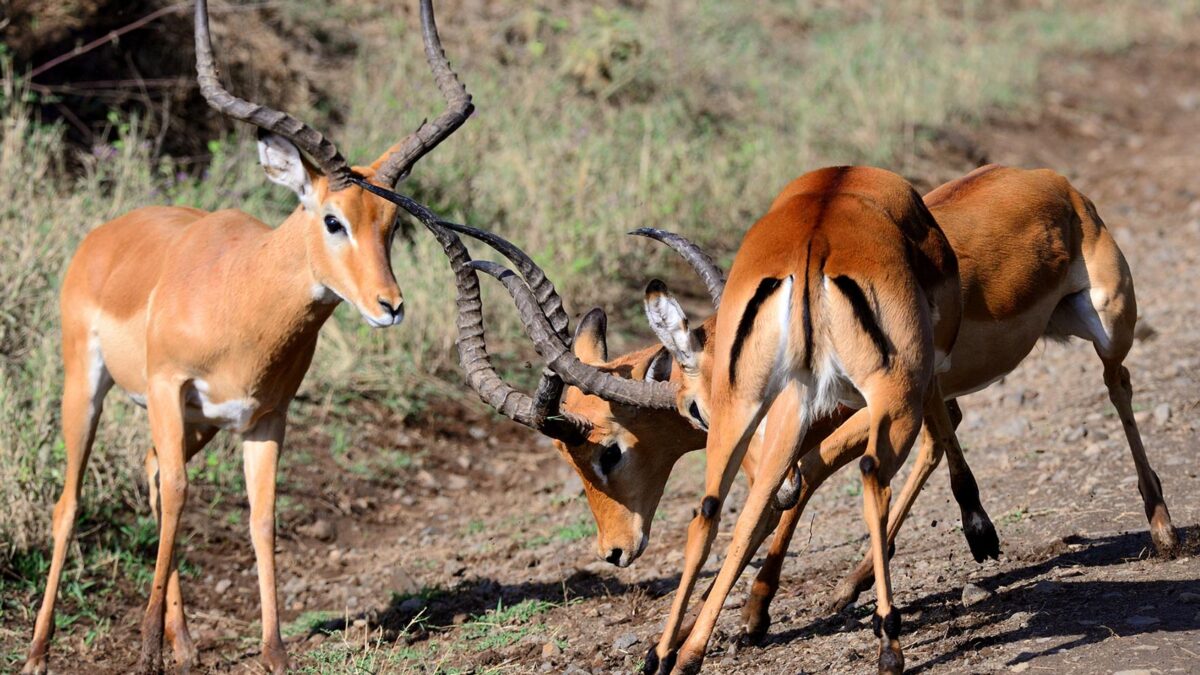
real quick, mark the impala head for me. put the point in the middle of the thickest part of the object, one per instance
(616, 423)
(348, 230)
(626, 457)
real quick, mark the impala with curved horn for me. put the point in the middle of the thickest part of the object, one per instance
(1007, 311)
(209, 320)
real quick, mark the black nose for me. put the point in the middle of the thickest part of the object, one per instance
(614, 556)
(387, 307)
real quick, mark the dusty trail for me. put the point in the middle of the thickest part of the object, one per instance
(490, 520)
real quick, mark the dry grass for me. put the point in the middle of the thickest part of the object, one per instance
(592, 121)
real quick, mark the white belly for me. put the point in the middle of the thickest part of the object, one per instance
(235, 414)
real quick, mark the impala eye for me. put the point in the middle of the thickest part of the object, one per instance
(694, 411)
(609, 458)
(333, 225)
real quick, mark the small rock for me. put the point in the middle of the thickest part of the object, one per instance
(625, 641)
(1074, 434)
(1162, 413)
(973, 594)
(1189, 597)
(1015, 426)
(460, 618)
(223, 585)
(1141, 620)
(411, 606)
(1020, 667)
(550, 650)
(320, 529)
(456, 482)
(478, 433)
(1092, 450)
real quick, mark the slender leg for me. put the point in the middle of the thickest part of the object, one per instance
(756, 618)
(892, 432)
(84, 388)
(836, 450)
(779, 448)
(165, 405)
(176, 629)
(933, 446)
(977, 526)
(1120, 392)
(728, 439)
(261, 457)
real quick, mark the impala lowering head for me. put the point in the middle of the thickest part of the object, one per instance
(349, 231)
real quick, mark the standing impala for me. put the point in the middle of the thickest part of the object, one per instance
(210, 320)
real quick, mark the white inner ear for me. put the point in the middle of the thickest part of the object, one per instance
(670, 325)
(281, 160)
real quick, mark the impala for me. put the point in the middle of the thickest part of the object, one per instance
(1034, 257)
(209, 320)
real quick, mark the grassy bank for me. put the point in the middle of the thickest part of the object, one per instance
(592, 121)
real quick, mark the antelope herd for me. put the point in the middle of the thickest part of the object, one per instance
(854, 314)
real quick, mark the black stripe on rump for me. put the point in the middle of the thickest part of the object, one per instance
(862, 312)
(765, 288)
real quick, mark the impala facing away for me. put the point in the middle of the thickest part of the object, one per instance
(1035, 261)
(209, 320)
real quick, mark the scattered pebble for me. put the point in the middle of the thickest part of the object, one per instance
(1141, 620)
(973, 594)
(625, 642)
(1020, 667)
(223, 585)
(320, 529)
(1162, 413)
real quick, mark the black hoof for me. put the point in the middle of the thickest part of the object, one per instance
(981, 536)
(1166, 542)
(653, 666)
(754, 631)
(890, 663)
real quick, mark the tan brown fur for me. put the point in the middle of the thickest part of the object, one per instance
(180, 308)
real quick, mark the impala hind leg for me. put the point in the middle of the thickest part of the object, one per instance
(892, 432)
(1120, 392)
(828, 445)
(175, 628)
(84, 387)
(732, 438)
(1106, 315)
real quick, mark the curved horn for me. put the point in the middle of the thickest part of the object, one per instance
(547, 297)
(560, 359)
(712, 275)
(308, 139)
(540, 412)
(430, 134)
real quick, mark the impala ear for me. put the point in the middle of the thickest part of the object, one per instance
(284, 164)
(591, 343)
(670, 324)
(659, 369)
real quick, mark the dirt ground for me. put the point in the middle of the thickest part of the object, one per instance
(483, 514)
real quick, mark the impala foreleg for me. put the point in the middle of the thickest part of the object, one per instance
(165, 405)
(84, 388)
(175, 627)
(261, 458)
